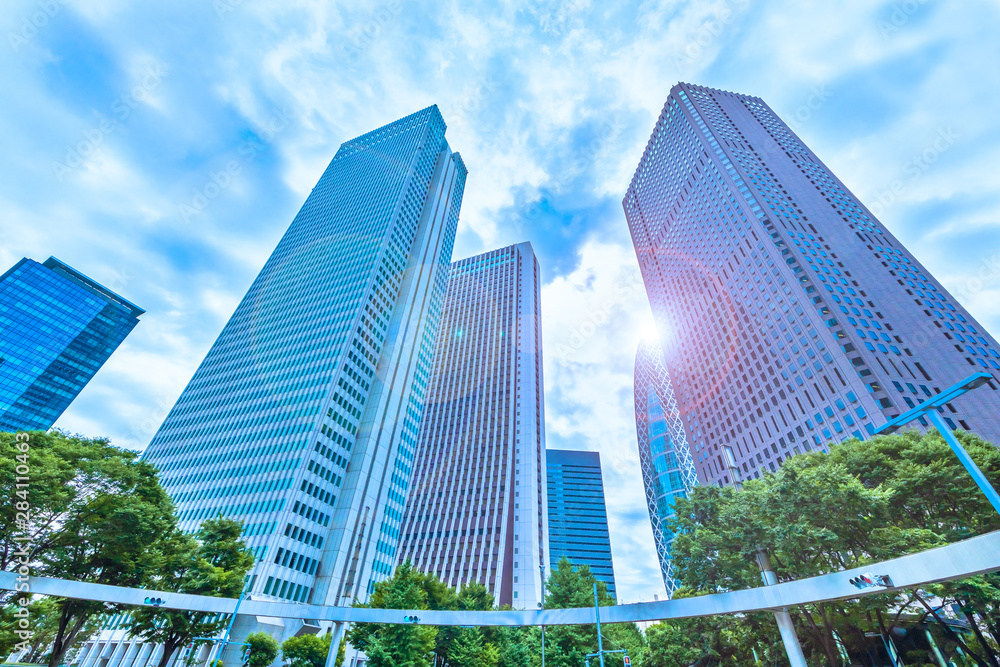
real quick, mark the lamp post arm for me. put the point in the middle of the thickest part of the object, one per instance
(963, 456)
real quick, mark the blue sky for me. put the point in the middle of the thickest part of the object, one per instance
(163, 149)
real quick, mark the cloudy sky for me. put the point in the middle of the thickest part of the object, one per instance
(118, 117)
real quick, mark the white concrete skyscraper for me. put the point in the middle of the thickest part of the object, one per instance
(303, 418)
(477, 509)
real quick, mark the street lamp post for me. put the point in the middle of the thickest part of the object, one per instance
(930, 410)
(541, 604)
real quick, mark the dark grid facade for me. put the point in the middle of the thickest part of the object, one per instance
(578, 516)
(57, 328)
(791, 316)
(476, 510)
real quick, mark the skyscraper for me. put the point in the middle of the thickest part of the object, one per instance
(57, 328)
(476, 510)
(578, 515)
(790, 316)
(303, 418)
(668, 469)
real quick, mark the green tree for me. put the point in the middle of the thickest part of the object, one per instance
(517, 646)
(54, 461)
(400, 645)
(820, 513)
(568, 587)
(307, 650)
(106, 522)
(263, 649)
(469, 649)
(216, 564)
(670, 646)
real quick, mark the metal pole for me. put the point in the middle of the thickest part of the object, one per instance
(225, 637)
(890, 651)
(338, 634)
(963, 456)
(597, 614)
(784, 620)
(541, 569)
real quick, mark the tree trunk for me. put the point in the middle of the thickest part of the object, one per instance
(818, 632)
(168, 650)
(992, 626)
(951, 633)
(70, 625)
(987, 649)
(830, 645)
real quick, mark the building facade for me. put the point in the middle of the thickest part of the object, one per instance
(790, 316)
(302, 420)
(57, 328)
(668, 470)
(578, 515)
(476, 510)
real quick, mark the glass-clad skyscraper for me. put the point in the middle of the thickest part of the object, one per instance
(668, 470)
(476, 510)
(302, 420)
(578, 515)
(57, 328)
(791, 317)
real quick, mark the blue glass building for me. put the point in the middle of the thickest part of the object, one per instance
(578, 516)
(668, 471)
(57, 328)
(303, 418)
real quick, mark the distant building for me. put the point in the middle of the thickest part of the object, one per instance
(57, 328)
(476, 509)
(668, 471)
(790, 316)
(578, 516)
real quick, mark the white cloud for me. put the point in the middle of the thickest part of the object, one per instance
(592, 318)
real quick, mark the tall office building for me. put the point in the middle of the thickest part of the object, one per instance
(57, 328)
(790, 316)
(476, 510)
(668, 469)
(578, 515)
(302, 420)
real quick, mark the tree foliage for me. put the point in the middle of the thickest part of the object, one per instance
(263, 649)
(307, 650)
(98, 515)
(403, 645)
(216, 564)
(863, 502)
